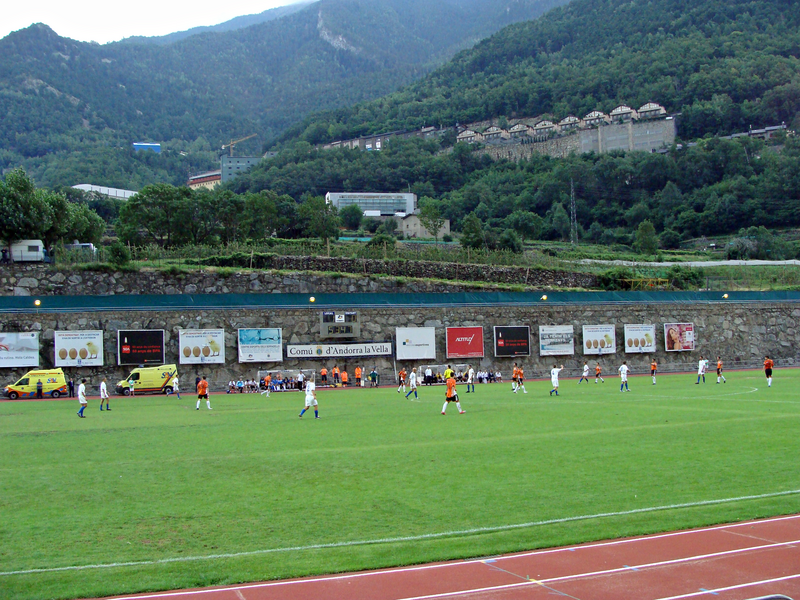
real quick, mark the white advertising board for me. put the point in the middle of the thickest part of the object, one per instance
(261, 345)
(339, 350)
(599, 339)
(640, 338)
(79, 348)
(416, 343)
(556, 340)
(201, 346)
(19, 349)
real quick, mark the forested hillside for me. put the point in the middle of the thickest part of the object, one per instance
(725, 66)
(71, 110)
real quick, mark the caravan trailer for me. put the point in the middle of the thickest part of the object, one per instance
(27, 251)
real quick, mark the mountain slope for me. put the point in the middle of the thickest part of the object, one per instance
(724, 66)
(61, 96)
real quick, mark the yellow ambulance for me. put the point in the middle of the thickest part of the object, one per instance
(53, 381)
(148, 380)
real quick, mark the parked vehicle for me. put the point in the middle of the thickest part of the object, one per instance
(54, 384)
(148, 380)
(27, 251)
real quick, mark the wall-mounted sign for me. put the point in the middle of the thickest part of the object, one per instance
(599, 339)
(19, 349)
(556, 340)
(640, 338)
(416, 343)
(465, 342)
(679, 337)
(140, 347)
(512, 341)
(201, 346)
(333, 351)
(260, 345)
(79, 348)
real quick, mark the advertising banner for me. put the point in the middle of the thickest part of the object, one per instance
(140, 347)
(599, 339)
(512, 341)
(201, 346)
(679, 337)
(260, 345)
(19, 349)
(556, 340)
(465, 342)
(416, 342)
(79, 348)
(331, 351)
(640, 338)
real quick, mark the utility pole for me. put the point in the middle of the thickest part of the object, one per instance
(573, 214)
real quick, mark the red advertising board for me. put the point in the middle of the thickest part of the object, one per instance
(465, 342)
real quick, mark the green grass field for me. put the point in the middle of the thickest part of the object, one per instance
(175, 497)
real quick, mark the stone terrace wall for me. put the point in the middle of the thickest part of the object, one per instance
(26, 280)
(741, 333)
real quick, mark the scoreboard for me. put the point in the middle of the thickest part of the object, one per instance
(339, 324)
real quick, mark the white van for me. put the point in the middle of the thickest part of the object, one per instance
(27, 251)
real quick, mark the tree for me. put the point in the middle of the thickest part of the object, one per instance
(318, 218)
(510, 240)
(430, 217)
(387, 227)
(526, 224)
(646, 239)
(560, 220)
(22, 213)
(472, 232)
(352, 215)
(152, 215)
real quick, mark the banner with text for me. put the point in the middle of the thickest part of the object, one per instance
(330, 351)
(599, 339)
(416, 342)
(19, 349)
(640, 338)
(512, 341)
(202, 346)
(679, 337)
(79, 348)
(260, 345)
(140, 347)
(556, 340)
(465, 342)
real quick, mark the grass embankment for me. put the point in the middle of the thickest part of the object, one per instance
(248, 491)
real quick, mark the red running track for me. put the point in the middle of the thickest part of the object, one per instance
(725, 562)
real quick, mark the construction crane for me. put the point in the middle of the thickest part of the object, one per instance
(234, 142)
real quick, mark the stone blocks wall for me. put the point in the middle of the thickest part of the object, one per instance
(741, 333)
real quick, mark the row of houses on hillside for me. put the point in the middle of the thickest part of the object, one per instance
(546, 128)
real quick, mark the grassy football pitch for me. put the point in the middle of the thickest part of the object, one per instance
(157, 495)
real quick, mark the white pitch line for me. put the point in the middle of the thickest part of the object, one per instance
(400, 539)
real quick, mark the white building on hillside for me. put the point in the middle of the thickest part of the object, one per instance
(387, 204)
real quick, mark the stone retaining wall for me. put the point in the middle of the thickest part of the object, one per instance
(741, 333)
(37, 279)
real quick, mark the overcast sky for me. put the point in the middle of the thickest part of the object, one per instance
(102, 22)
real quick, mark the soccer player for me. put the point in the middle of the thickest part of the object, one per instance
(521, 381)
(412, 383)
(323, 376)
(470, 378)
(448, 373)
(514, 370)
(267, 383)
(345, 377)
(358, 376)
(452, 396)
(585, 373)
(402, 377)
(623, 376)
(554, 378)
(768, 364)
(311, 398)
(104, 395)
(719, 371)
(82, 398)
(175, 386)
(701, 371)
(373, 378)
(597, 372)
(335, 375)
(653, 370)
(202, 393)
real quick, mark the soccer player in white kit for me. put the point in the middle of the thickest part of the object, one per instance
(585, 373)
(104, 394)
(311, 398)
(82, 398)
(470, 378)
(623, 376)
(176, 386)
(701, 370)
(554, 378)
(412, 383)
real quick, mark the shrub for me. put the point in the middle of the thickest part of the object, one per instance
(118, 254)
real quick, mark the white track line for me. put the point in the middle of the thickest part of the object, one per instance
(732, 587)
(394, 540)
